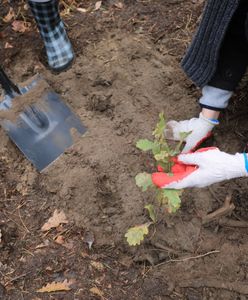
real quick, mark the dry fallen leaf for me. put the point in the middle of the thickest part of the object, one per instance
(21, 26)
(98, 5)
(10, 15)
(82, 10)
(56, 219)
(97, 265)
(56, 286)
(119, 5)
(60, 240)
(84, 254)
(7, 45)
(43, 245)
(97, 292)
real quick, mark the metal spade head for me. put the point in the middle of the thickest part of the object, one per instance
(44, 129)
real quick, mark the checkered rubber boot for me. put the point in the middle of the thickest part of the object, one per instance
(58, 47)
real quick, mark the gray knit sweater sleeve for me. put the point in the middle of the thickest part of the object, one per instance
(201, 58)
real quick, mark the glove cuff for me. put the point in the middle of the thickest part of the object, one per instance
(246, 162)
(238, 167)
(212, 122)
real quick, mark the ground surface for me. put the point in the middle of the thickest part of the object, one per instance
(126, 72)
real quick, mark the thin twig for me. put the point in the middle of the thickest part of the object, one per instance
(62, 232)
(236, 286)
(19, 213)
(233, 223)
(188, 258)
(12, 220)
(212, 192)
(223, 211)
(17, 277)
(160, 247)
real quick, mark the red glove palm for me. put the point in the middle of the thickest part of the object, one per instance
(178, 171)
(202, 168)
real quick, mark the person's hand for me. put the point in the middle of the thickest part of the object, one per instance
(200, 128)
(202, 168)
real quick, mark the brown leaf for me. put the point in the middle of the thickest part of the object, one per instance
(97, 265)
(97, 292)
(82, 10)
(60, 240)
(21, 26)
(98, 5)
(119, 5)
(7, 45)
(56, 286)
(43, 245)
(10, 15)
(84, 254)
(56, 219)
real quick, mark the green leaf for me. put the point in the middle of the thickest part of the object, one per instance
(145, 145)
(135, 235)
(173, 199)
(160, 127)
(143, 180)
(156, 149)
(151, 212)
(163, 155)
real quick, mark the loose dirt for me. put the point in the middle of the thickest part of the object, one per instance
(126, 72)
(23, 101)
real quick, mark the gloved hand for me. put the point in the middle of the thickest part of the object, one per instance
(202, 168)
(200, 128)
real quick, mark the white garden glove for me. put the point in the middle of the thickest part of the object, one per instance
(202, 168)
(200, 128)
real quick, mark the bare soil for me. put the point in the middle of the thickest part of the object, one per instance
(127, 70)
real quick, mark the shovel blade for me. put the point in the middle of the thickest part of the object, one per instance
(44, 130)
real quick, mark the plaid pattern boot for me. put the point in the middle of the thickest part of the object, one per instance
(58, 47)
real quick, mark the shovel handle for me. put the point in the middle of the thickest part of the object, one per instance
(9, 87)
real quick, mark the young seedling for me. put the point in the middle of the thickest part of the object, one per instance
(168, 198)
